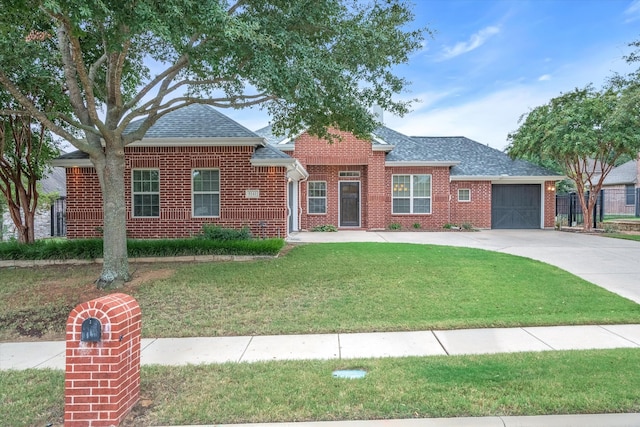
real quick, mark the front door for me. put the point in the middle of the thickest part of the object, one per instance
(349, 204)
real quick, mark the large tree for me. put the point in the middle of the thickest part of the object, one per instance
(586, 131)
(311, 63)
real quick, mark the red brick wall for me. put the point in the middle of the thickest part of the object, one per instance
(330, 175)
(265, 216)
(102, 379)
(440, 210)
(477, 212)
(324, 162)
(549, 188)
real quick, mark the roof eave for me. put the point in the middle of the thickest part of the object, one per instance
(386, 148)
(505, 179)
(72, 163)
(198, 142)
(295, 170)
(439, 163)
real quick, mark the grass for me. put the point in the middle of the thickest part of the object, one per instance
(635, 237)
(345, 287)
(329, 288)
(598, 381)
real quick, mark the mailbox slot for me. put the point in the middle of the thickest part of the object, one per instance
(91, 330)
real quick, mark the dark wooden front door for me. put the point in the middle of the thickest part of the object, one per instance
(350, 204)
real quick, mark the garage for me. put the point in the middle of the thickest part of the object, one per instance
(515, 206)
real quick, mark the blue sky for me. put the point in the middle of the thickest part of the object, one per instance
(490, 61)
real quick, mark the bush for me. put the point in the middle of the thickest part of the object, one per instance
(395, 226)
(92, 248)
(326, 227)
(417, 225)
(215, 232)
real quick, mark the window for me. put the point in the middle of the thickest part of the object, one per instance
(146, 193)
(205, 189)
(464, 195)
(317, 197)
(349, 174)
(411, 194)
(630, 192)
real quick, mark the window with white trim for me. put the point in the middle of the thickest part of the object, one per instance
(411, 194)
(317, 197)
(205, 192)
(464, 195)
(145, 185)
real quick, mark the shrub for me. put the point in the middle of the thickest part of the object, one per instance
(215, 232)
(326, 227)
(467, 226)
(417, 225)
(92, 248)
(395, 226)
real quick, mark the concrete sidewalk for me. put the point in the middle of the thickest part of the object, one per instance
(591, 420)
(205, 350)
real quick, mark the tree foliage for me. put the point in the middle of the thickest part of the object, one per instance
(310, 63)
(585, 131)
(25, 153)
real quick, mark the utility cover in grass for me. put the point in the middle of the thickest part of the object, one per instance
(351, 374)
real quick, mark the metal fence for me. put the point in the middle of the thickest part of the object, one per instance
(59, 217)
(611, 203)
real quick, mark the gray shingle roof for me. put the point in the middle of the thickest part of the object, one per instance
(385, 136)
(626, 173)
(269, 153)
(475, 159)
(273, 139)
(194, 121)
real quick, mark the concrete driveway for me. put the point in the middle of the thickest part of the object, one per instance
(613, 264)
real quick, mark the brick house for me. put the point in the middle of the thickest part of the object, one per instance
(197, 166)
(622, 189)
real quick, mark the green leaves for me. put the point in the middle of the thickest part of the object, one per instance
(581, 124)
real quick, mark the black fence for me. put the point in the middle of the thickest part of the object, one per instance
(611, 203)
(59, 217)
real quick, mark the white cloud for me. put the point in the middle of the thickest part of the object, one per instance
(487, 120)
(474, 42)
(544, 77)
(633, 11)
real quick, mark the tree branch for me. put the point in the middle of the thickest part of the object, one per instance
(35, 112)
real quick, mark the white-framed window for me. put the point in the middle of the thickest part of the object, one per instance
(464, 195)
(205, 192)
(317, 197)
(145, 184)
(411, 194)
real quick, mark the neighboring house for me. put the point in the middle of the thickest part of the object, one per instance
(197, 166)
(48, 220)
(621, 188)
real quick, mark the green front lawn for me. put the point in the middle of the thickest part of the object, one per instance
(322, 288)
(599, 381)
(336, 288)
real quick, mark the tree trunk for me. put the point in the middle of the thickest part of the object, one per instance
(115, 269)
(16, 217)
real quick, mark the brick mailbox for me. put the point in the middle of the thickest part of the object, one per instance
(102, 377)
